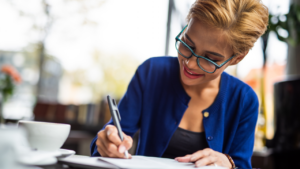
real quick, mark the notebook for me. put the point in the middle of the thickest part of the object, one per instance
(144, 162)
(137, 162)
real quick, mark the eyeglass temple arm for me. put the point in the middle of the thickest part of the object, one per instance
(182, 31)
(226, 61)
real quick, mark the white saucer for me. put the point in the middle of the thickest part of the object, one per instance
(39, 158)
(65, 153)
(46, 161)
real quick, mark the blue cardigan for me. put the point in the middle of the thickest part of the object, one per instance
(155, 102)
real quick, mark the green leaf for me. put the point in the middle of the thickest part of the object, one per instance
(297, 13)
(7, 87)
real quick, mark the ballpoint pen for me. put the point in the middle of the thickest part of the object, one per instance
(114, 111)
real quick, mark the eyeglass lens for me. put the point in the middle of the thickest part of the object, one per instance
(184, 51)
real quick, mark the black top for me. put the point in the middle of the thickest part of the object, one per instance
(185, 142)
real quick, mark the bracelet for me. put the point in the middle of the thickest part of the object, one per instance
(230, 160)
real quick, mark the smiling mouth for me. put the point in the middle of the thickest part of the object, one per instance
(188, 70)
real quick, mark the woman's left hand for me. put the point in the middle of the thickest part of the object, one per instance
(206, 157)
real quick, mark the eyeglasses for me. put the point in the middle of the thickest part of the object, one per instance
(204, 63)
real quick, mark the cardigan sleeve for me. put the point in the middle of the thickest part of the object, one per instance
(242, 147)
(130, 106)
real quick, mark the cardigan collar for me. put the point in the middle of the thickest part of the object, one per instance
(185, 98)
(221, 94)
(178, 88)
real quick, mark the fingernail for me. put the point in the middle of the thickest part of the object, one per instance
(108, 132)
(193, 158)
(122, 149)
(176, 159)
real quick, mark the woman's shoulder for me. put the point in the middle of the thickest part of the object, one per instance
(159, 66)
(160, 62)
(240, 93)
(158, 71)
(235, 85)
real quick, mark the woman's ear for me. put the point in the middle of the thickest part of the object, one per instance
(238, 58)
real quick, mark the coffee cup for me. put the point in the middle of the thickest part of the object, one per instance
(45, 136)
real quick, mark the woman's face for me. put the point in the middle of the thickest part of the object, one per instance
(207, 42)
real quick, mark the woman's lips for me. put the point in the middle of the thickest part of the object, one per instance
(190, 74)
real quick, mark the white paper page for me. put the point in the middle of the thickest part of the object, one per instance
(86, 162)
(143, 162)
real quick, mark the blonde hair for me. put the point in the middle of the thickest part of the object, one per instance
(243, 21)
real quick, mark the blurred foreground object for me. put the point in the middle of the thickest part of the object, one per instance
(13, 144)
(15, 151)
(286, 141)
(8, 77)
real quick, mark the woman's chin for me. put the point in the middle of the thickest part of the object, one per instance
(189, 82)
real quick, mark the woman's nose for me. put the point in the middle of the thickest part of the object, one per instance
(192, 63)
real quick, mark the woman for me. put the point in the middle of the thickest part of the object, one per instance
(188, 108)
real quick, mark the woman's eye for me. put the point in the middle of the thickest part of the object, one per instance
(211, 59)
(185, 47)
(188, 44)
(191, 47)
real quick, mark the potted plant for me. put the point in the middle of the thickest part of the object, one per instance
(287, 29)
(8, 77)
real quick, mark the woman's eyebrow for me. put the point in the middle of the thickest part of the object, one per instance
(216, 54)
(189, 39)
(213, 53)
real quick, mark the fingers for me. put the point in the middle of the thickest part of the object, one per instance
(100, 146)
(208, 160)
(196, 156)
(201, 154)
(126, 144)
(109, 143)
(111, 149)
(101, 151)
(206, 157)
(184, 159)
(112, 134)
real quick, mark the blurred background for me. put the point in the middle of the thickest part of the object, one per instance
(71, 53)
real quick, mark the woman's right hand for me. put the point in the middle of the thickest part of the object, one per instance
(109, 143)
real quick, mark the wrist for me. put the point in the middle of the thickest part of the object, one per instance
(231, 161)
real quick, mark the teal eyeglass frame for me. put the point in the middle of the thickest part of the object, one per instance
(197, 56)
